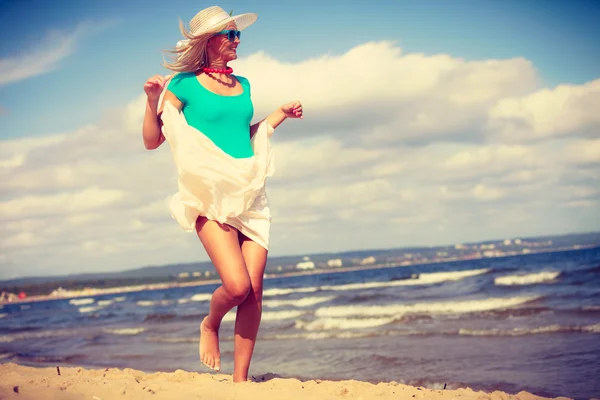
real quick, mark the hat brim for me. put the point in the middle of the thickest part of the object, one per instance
(242, 21)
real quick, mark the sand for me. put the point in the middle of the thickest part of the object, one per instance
(22, 382)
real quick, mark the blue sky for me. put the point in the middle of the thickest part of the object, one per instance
(435, 121)
(120, 43)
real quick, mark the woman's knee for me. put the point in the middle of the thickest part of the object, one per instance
(238, 290)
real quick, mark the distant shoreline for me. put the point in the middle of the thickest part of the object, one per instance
(170, 285)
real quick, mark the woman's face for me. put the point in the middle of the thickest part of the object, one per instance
(224, 46)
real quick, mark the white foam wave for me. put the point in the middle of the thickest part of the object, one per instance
(304, 302)
(421, 279)
(2, 315)
(81, 302)
(103, 303)
(284, 291)
(118, 299)
(125, 331)
(36, 335)
(85, 310)
(529, 331)
(201, 297)
(270, 315)
(326, 324)
(25, 307)
(150, 303)
(529, 279)
(592, 328)
(183, 301)
(450, 307)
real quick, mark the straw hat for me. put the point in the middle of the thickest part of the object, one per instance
(211, 17)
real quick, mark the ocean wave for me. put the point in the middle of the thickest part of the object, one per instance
(159, 317)
(125, 331)
(303, 302)
(320, 335)
(201, 297)
(36, 335)
(158, 339)
(85, 310)
(104, 303)
(428, 278)
(420, 279)
(591, 308)
(327, 324)
(529, 331)
(269, 315)
(529, 279)
(81, 302)
(450, 307)
(119, 299)
(284, 291)
(2, 315)
(150, 303)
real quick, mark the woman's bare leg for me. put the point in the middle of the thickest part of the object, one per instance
(222, 246)
(250, 310)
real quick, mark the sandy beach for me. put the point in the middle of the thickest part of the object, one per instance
(22, 382)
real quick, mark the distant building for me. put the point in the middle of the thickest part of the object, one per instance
(368, 260)
(507, 242)
(460, 247)
(196, 274)
(305, 265)
(336, 262)
(183, 275)
(207, 274)
(491, 253)
(517, 241)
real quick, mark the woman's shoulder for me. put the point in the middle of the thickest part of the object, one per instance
(244, 82)
(183, 77)
(242, 79)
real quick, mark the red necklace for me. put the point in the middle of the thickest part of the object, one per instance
(227, 70)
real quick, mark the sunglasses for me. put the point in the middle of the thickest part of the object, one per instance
(231, 34)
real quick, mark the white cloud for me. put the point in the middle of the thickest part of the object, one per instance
(419, 156)
(46, 53)
(564, 110)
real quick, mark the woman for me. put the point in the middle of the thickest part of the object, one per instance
(223, 163)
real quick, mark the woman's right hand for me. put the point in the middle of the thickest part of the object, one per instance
(154, 86)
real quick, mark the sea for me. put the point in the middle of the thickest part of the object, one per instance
(529, 322)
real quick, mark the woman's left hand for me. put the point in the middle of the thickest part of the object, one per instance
(292, 110)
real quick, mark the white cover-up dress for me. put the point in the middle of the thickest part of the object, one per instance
(216, 185)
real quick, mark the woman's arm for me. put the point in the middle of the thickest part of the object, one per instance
(289, 110)
(151, 129)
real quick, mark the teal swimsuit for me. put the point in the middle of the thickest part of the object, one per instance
(225, 120)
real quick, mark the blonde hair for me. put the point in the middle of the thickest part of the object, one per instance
(191, 56)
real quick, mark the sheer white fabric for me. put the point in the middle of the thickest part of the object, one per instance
(214, 184)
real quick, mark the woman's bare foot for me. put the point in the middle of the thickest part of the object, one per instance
(209, 346)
